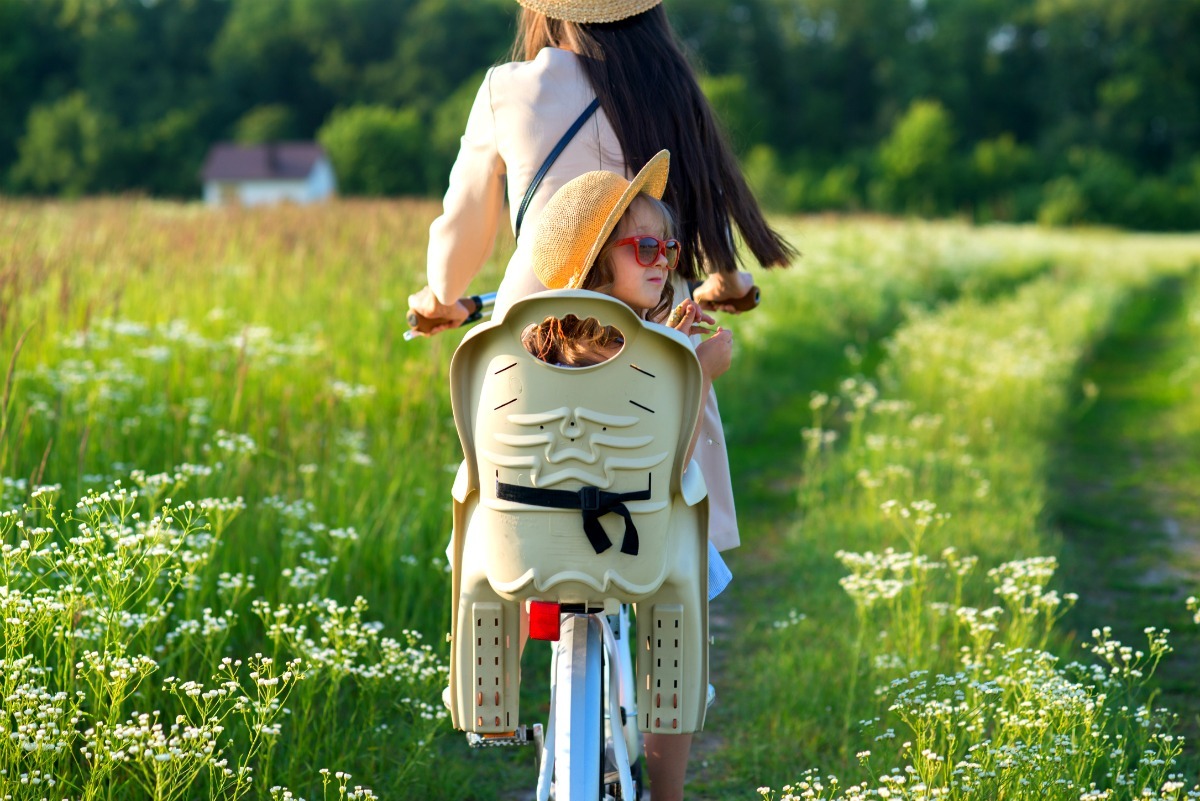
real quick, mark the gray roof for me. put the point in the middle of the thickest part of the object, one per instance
(277, 161)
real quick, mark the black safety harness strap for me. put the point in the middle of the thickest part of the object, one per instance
(550, 159)
(592, 501)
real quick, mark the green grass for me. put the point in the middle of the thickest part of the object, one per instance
(1126, 476)
(950, 359)
(148, 330)
(986, 382)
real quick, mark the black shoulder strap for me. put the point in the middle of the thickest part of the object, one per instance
(554, 154)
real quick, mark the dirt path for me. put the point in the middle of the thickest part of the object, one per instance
(1126, 492)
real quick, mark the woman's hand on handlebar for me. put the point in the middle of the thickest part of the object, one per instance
(726, 292)
(433, 316)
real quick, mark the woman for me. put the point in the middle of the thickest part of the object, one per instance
(569, 53)
(624, 53)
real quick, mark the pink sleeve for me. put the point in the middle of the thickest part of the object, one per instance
(461, 239)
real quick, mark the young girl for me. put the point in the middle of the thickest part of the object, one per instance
(604, 233)
(611, 235)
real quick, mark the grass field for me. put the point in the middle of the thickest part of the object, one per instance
(227, 482)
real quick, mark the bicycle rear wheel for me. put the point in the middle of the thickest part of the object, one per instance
(579, 724)
(622, 740)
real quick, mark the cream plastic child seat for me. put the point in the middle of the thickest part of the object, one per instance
(574, 489)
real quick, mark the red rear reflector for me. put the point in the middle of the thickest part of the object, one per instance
(543, 620)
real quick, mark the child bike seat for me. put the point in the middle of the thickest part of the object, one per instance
(575, 488)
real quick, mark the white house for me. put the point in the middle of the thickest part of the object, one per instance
(253, 175)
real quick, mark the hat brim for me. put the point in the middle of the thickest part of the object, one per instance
(589, 11)
(651, 180)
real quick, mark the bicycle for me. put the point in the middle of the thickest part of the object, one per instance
(594, 668)
(589, 673)
(480, 306)
(607, 442)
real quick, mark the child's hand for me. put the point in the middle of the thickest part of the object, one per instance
(687, 316)
(715, 353)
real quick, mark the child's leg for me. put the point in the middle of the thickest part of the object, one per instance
(666, 764)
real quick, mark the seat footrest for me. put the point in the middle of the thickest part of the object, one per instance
(522, 735)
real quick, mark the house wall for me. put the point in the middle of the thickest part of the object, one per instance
(215, 192)
(321, 181)
(319, 185)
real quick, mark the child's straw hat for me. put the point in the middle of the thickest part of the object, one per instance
(588, 11)
(578, 219)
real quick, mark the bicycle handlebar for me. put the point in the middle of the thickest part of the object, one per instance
(744, 303)
(479, 305)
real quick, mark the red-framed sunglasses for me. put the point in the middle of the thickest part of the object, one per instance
(648, 248)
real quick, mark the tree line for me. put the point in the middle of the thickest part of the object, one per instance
(1063, 111)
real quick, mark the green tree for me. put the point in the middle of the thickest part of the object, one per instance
(141, 66)
(766, 177)
(272, 122)
(738, 109)
(1121, 75)
(998, 168)
(966, 56)
(262, 56)
(376, 150)
(66, 148)
(740, 42)
(445, 42)
(1063, 203)
(139, 61)
(916, 160)
(1106, 181)
(849, 60)
(169, 154)
(445, 133)
(33, 59)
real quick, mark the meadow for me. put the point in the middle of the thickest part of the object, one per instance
(225, 499)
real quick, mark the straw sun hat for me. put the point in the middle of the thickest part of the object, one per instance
(579, 218)
(589, 11)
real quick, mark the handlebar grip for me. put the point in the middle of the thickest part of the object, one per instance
(749, 300)
(744, 303)
(424, 325)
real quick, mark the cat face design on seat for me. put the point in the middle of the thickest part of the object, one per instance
(535, 432)
(567, 443)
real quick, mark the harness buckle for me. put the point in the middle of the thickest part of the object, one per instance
(589, 499)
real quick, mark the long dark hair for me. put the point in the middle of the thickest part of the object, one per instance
(649, 93)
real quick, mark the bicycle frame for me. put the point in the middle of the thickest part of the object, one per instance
(588, 668)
